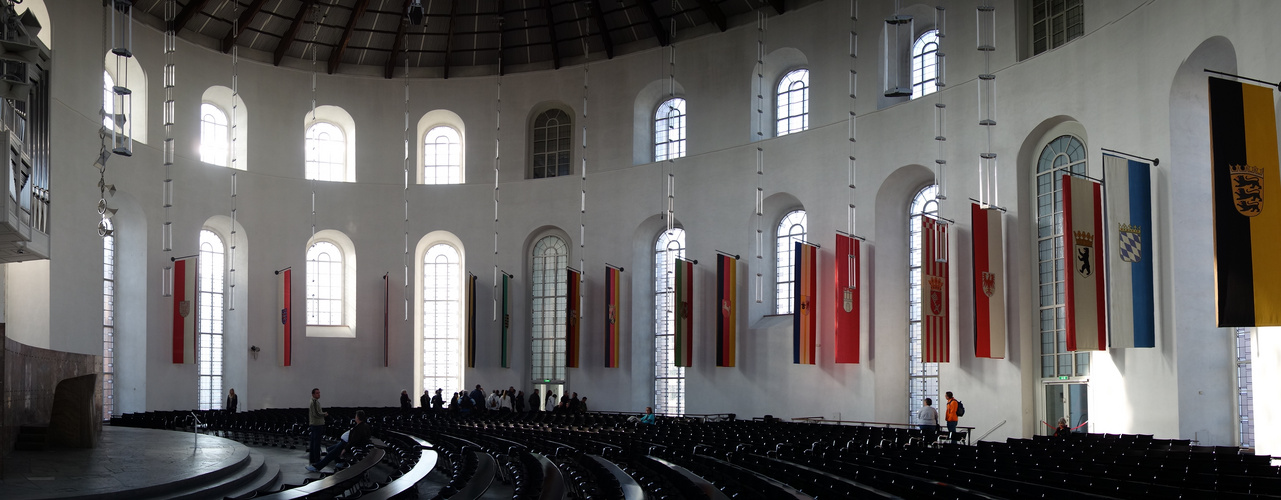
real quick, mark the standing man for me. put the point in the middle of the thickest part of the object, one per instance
(929, 420)
(478, 399)
(405, 401)
(316, 422)
(951, 416)
(354, 438)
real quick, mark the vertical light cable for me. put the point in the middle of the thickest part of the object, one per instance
(317, 18)
(851, 129)
(405, 191)
(670, 164)
(235, 94)
(166, 192)
(986, 21)
(582, 200)
(498, 149)
(759, 208)
(940, 109)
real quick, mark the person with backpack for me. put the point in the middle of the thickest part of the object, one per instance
(954, 410)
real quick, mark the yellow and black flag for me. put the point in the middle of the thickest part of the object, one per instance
(1247, 229)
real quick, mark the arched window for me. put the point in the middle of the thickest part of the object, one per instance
(793, 102)
(442, 156)
(791, 229)
(108, 323)
(923, 378)
(547, 293)
(669, 130)
(553, 134)
(669, 379)
(442, 319)
(215, 140)
(925, 64)
(1062, 155)
(209, 318)
(326, 152)
(324, 284)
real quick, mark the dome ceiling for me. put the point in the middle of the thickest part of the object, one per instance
(454, 38)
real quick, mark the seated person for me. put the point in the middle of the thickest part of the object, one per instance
(649, 417)
(355, 437)
(1062, 430)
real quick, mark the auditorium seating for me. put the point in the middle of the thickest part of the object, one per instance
(527, 455)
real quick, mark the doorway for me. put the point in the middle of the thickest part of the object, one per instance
(1070, 401)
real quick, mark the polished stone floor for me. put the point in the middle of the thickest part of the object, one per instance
(127, 459)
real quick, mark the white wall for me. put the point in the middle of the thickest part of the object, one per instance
(1120, 83)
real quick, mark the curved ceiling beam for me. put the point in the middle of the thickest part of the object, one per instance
(292, 32)
(655, 24)
(398, 43)
(245, 18)
(189, 11)
(551, 34)
(714, 14)
(449, 39)
(605, 39)
(335, 58)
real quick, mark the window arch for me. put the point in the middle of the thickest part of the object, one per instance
(442, 156)
(791, 229)
(330, 285)
(793, 102)
(923, 378)
(442, 320)
(210, 284)
(1064, 154)
(669, 379)
(925, 64)
(329, 146)
(548, 289)
(324, 284)
(215, 136)
(553, 132)
(669, 129)
(326, 152)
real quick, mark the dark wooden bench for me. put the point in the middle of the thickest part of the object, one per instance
(426, 462)
(336, 482)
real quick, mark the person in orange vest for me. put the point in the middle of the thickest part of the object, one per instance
(950, 416)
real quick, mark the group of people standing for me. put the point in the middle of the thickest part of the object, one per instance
(929, 416)
(498, 400)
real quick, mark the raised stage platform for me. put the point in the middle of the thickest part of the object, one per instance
(133, 463)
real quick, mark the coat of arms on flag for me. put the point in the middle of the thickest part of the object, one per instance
(184, 308)
(936, 295)
(1084, 253)
(1130, 244)
(847, 301)
(989, 283)
(1247, 189)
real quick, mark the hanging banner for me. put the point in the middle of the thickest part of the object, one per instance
(1083, 230)
(727, 319)
(684, 313)
(1247, 231)
(612, 314)
(506, 318)
(936, 339)
(846, 313)
(804, 316)
(184, 310)
(1131, 298)
(386, 319)
(572, 317)
(285, 330)
(471, 320)
(989, 283)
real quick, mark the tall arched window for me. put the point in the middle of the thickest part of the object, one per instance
(669, 130)
(547, 293)
(442, 156)
(923, 378)
(669, 379)
(442, 319)
(326, 152)
(1062, 155)
(215, 141)
(791, 229)
(793, 102)
(925, 64)
(553, 134)
(108, 323)
(324, 284)
(209, 318)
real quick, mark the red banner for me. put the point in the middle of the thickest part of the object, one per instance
(846, 313)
